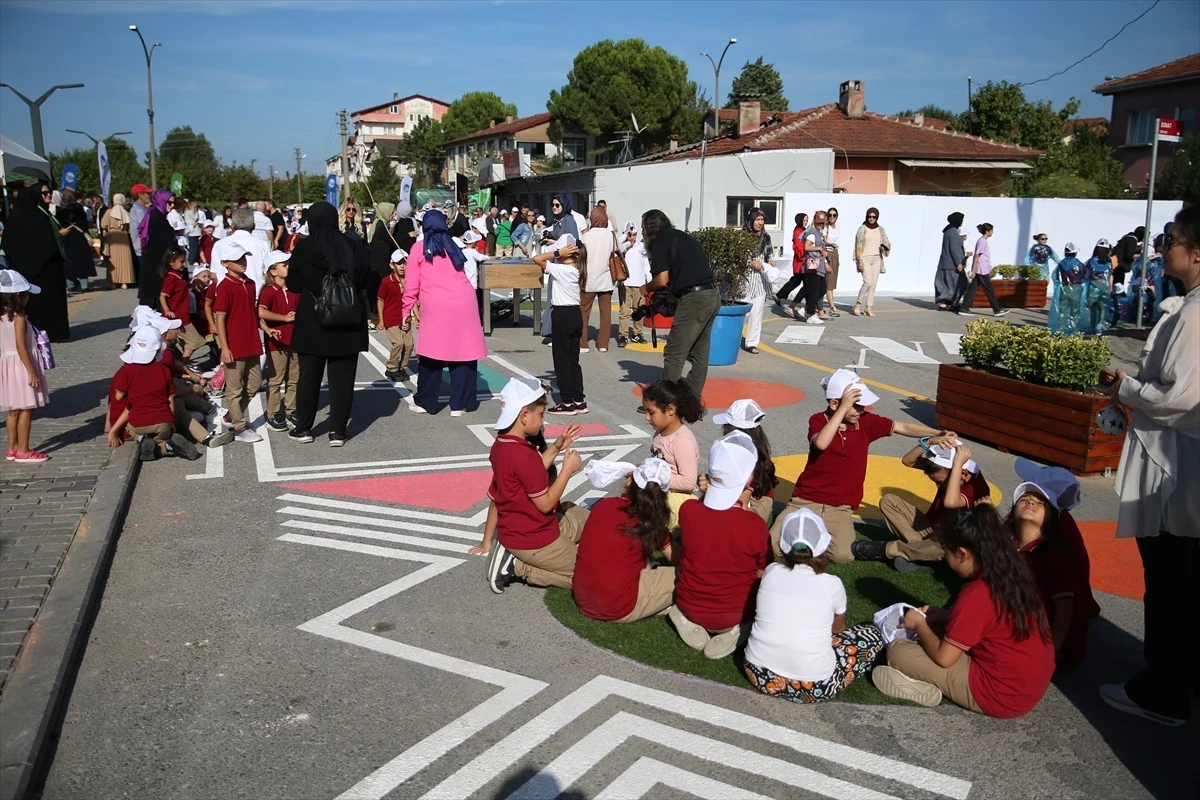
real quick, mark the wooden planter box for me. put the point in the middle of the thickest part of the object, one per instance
(1056, 426)
(1014, 294)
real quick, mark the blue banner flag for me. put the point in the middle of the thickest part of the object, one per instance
(105, 171)
(331, 189)
(70, 176)
(406, 189)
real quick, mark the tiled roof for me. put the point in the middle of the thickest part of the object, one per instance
(872, 135)
(398, 101)
(517, 125)
(1180, 69)
(1072, 125)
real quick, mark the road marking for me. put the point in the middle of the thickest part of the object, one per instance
(952, 342)
(801, 334)
(890, 348)
(814, 365)
(366, 533)
(415, 527)
(862, 360)
(264, 457)
(473, 521)
(449, 461)
(517, 745)
(508, 365)
(646, 773)
(214, 464)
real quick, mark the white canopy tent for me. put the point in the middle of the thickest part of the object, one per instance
(15, 158)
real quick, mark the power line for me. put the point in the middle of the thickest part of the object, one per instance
(1097, 50)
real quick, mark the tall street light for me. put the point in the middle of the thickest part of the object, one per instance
(35, 112)
(96, 141)
(716, 65)
(149, 51)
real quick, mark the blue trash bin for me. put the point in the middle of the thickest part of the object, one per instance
(726, 338)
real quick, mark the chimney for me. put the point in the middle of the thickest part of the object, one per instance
(508, 119)
(919, 119)
(395, 95)
(749, 114)
(852, 99)
(491, 123)
(674, 145)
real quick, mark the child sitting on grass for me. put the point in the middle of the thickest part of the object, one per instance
(799, 607)
(747, 416)
(724, 548)
(146, 383)
(535, 542)
(995, 656)
(960, 484)
(538, 440)
(670, 404)
(839, 437)
(615, 578)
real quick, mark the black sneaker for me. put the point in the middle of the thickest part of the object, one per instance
(563, 410)
(291, 421)
(868, 550)
(394, 377)
(500, 572)
(638, 338)
(1002, 312)
(622, 341)
(337, 439)
(218, 439)
(277, 423)
(301, 437)
(147, 449)
(962, 312)
(581, 407)
(182, 447)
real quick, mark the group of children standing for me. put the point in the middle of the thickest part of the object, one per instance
(1083, 292)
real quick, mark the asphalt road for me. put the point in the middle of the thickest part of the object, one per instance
(271, 631)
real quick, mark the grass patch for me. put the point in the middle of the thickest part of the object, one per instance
(870, 585)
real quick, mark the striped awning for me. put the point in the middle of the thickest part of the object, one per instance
(918, 162)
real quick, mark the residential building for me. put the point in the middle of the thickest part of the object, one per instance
(1167, 91)
(378, 129)
(530, 136)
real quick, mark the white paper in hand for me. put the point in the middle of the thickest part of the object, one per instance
(888, 620)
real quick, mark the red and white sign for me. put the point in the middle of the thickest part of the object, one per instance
(512, 164)
(1168, 130)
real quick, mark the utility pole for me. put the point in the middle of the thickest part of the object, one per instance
(345, 159)
(252, 162)
(149, 53)
(299, 179)
(271, 185)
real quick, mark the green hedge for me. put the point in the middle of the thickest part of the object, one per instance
(729, 251)
(1035, 354)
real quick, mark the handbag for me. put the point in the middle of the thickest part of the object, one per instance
(44, 352)
(338, 305)
(617, 267)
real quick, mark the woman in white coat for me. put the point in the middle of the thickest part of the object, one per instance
(600, 242)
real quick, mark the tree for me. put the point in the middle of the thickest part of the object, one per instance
(761, 82)
(1085, 166)
(1181, 177)
(122, 161)
(383, 182)
(474, 111)
(235, 178)
(931, 112)
(314, 187)
(191, 154)
(610, 80)
(1000, 111)
(421, 149)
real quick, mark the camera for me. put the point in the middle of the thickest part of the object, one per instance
(658, 304)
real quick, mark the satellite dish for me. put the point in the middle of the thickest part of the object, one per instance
(637, 129)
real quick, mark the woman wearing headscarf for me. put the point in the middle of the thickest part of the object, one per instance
(405, 230)
(871, 246)
(380, 245)
(757, 284)
(77, 245)
(600, 242)
(451, 332)
(950, 281)
(157, 237)
(323, 350)
(114, 232)
(33, 247)
(456, 224)
(563, 220)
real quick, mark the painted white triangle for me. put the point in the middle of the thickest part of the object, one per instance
(892, 349)
(951, 342)
(800, 334)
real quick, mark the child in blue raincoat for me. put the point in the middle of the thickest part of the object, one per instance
(1096, 316)
(1041, 254)
(1067, 302)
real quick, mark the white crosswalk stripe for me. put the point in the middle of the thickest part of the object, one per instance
(890, 348)
(800, 334)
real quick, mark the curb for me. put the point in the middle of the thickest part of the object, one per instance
(39, 687)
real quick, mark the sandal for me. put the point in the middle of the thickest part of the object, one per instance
(795, 313)
(870, 313)
(857, 310)
(752, 350)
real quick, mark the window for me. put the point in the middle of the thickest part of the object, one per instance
(394, 110)
(1140, 129)
(736, 209)
(574, 150)
(1187, 119)
(582, 204)
(389, 130)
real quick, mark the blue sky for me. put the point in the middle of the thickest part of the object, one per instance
(260, 78)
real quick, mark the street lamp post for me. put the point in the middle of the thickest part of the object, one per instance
(96, 141)
(35, 112)
(149, 51)
(716, 65)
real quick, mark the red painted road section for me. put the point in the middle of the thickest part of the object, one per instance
(454, 491)
(1116, 566)
(591, 429)
(720, 392)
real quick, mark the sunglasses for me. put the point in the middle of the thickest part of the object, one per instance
(833, 216)
(47, 194)
(1042, 238)
(872, 216)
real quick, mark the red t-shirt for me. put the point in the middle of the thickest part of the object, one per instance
(116, 407)
(722, 552)
(609, 563)
(391, 292)
(835, 476)
(974, 490)
(1073, 538)
(1057, 575)
(148, 389)
(1007, 677)
(176, 289)
(235, 298)
(199, 320)
(518, 476)
(280, 301)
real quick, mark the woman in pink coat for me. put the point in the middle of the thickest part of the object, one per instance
(451, 333)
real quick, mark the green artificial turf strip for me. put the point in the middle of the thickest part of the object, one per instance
(870, 585)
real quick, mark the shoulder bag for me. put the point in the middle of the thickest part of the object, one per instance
(338, 305)
(617, 267)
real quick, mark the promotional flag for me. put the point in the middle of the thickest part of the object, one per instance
(331, 189)
(70, 175)
(105, 171)
(177, 183)
(405, 189)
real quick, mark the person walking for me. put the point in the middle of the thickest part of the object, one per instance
(33, 246)
(815, 270)
(80, 266)
(600, 243)
(871, 247)
(114, 233)
(137, 212)
(832, 235)
(324, 350)
(981, 268)
(757, 284)
(797, 265)
(950, 281)
(451, 333)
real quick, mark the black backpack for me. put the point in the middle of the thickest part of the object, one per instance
(339, 305)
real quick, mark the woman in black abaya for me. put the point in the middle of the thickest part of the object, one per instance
(33, 247)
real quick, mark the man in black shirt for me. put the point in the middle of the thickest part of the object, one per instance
(278, 225)
(679, 266)
(1125, 251)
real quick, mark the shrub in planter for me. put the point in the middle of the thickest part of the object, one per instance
(729, 251)
(982, 346)
(1024, 352)
(1074, 362)
(1030, 272)
(1006, 271)
(1034, 354)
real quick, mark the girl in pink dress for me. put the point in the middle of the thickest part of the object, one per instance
(22, 382)
(451, 334)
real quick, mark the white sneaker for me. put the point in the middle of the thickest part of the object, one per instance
(815, 320)
(416, 409)
(722, 644)
(247, 435)
(692, 634)
(895, 683)
(458, 413)
(583, 350)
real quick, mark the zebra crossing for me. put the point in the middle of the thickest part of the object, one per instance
(901, 353)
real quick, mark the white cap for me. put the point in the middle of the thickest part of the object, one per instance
(302, 230)
(1030, 486)
(145, 315)
(944, 457)
(541, 217)
(458, 242)
(744, 414)
(12, 282)
(233, 250)
(515, 209)
(629, 226)
(199, 269)
(1103, 243)
(837, 383)
(731, 462)
(602, 473)
(516, 394)
(504, 212)
(1056, 480)
(208, 223)
(1070, 247)
(144, 346)
(803, 529)
(397, 256)
(277, 257)
(471, 237)
(653, 470)
(563, 241)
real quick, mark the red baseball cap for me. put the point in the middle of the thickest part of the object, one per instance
(139, 188)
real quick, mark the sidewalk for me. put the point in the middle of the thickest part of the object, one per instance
(60, 520)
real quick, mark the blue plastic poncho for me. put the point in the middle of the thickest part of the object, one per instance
(1097, 296)
(1041, 255)
(1066, 304)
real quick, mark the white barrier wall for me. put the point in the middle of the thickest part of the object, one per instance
(914, 225)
